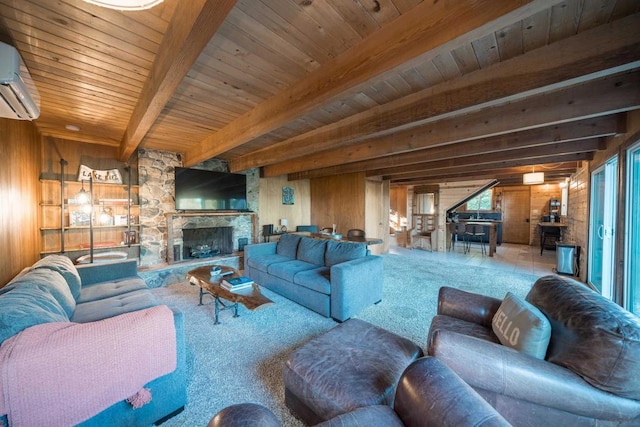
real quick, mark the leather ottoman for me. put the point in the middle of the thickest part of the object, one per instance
(354, 364)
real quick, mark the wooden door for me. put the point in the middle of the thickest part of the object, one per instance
(515, 217)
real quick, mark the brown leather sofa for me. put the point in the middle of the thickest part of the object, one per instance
(591, 372)
(428, 394)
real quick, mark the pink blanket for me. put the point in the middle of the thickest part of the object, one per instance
(64, 373)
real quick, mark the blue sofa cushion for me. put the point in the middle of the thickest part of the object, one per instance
(65, 267)
(287, 270)
(45, 280)
(110, 289)
(312, 250)
(288, 245)
(316, 280)
(338, 252)
(262, 262)
(114, 306)
(26, 306)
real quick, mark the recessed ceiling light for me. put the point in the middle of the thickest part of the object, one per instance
(72, 127)
(126, 4)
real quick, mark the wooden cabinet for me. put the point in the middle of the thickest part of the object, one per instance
(109, 223)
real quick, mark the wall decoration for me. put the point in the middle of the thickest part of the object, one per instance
(287, 195)
(111, 176)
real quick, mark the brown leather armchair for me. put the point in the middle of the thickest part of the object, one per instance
(591, 372)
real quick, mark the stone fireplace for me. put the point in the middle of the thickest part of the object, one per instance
(206, 242)
(161, 238)
(193, 235)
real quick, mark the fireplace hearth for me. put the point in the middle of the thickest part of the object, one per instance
(206, 242)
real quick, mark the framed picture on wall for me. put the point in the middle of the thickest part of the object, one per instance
(287, 195)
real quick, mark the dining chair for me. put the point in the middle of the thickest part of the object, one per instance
(475, 230)
(457, 230)
(355, 232)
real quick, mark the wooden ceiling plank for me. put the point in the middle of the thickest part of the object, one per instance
(383, 11)
(600, 97)
(260, 11)
(187, 34)
(535, 30)
(269, 53)
(551, 65)
(406, 38)
(355, 15)
(589, 128)
(510, 43)
(466, 59)
(565, 18)
(624, 8)
(446, 66)
(31, 15)
(429, 73)
(595, 13)
(486, 50)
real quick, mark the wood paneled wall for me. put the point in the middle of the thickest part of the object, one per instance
(271, 209)
(339, 200)
(19, 196)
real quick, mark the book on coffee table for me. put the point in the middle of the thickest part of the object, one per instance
(236, 283)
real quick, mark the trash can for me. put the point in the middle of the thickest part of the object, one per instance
(567, 259)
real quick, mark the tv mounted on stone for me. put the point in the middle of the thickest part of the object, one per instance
(203, 190)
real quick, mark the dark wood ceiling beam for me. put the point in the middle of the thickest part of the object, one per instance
(498, 174)
(599, 97)
(611, 48)
(502, 168)
(430, 29)
(191, 27)
(563, 132)
(435, 173)
(561, 148)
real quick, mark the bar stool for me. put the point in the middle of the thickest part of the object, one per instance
(472, 231)
(552, 233)
(457, 229)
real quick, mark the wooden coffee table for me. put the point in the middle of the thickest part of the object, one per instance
(250, 297)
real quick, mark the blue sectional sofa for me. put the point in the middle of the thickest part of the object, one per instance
(334, 279)
(87, 307)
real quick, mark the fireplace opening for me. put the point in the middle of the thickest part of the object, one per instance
(206, 242)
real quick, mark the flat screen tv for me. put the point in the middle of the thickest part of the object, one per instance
(202, 190)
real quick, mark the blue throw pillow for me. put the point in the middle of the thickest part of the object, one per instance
(26, 306)
(338, 252)
(312, 250)
(521, 326)
(64, 266)
(288, 245)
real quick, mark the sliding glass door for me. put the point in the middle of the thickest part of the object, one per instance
(632, 245)
(602, 227)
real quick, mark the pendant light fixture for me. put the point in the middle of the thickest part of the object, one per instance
(126, 4)
(83, 197)
(533, 177)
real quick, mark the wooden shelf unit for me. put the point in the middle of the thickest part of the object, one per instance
(65, 227)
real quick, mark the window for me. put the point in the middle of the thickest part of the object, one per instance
(426, 203)
(482, 202)
(602, 227)
(632, 245)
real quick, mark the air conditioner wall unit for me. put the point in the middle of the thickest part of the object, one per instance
(19, 97)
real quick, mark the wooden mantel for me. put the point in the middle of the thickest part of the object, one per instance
(173, 215)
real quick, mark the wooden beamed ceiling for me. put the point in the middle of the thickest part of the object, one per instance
(416, 92)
